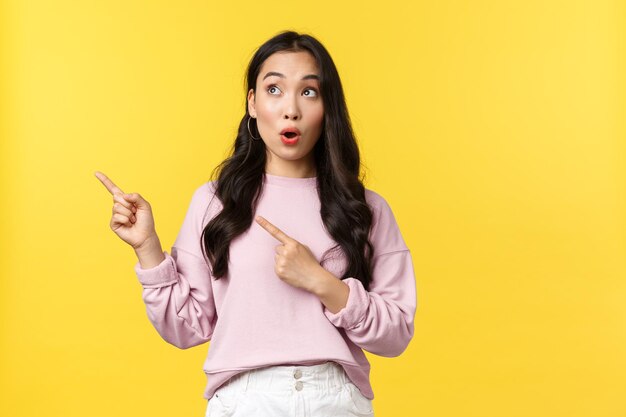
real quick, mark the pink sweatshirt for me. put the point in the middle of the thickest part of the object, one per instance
(254, 319)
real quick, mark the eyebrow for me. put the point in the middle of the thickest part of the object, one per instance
(278, 74)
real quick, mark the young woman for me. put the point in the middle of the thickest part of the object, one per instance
(286, 263)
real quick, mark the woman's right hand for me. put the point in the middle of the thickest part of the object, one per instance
(132, 218)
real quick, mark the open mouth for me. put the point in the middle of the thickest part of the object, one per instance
(290, 132)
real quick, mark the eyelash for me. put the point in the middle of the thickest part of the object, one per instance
(275, 86)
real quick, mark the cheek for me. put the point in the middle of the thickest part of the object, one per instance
(317, 117)
(266, 108)
(265, 116)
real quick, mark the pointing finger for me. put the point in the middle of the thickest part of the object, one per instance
(273, 230)
(108, 183)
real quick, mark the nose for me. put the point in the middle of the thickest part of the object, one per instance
(291, 110)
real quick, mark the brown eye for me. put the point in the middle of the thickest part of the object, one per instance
(313, 90)
(269, 89)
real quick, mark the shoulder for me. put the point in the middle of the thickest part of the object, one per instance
(206, 189)
(381, 209)
(204, 201)
(385, 233)
(374, 200)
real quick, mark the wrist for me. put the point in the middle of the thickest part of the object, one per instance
(321, 282)
(332, 291)
(151, 244)
(150, 253)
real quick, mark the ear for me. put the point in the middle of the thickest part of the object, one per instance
(251, 104)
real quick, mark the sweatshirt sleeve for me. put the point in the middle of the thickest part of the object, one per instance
(178, 292)
(381, 320)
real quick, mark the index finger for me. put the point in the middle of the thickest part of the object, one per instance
(274, 231)
(108, 183)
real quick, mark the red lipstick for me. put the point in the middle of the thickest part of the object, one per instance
(290, 135)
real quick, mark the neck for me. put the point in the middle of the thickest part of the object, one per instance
(291, 171)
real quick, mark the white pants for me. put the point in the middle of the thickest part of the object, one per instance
(322, 390)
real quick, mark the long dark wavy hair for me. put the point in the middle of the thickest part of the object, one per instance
(344, 210)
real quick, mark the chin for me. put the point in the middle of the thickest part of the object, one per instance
(290, 154)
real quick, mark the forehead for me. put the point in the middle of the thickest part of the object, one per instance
(291, 64)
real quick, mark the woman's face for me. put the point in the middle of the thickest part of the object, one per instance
(288, 96)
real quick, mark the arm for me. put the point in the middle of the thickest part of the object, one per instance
(178, 299)
(380, 320)
(177, 287)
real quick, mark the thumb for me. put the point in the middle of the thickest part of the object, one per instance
(137, 199)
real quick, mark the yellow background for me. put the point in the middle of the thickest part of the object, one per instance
(495, 130)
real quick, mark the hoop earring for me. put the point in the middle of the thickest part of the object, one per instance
(253, 138)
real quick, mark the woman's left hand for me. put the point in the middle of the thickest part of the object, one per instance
(295, 263)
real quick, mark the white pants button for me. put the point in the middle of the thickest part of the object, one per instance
(299, 385)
